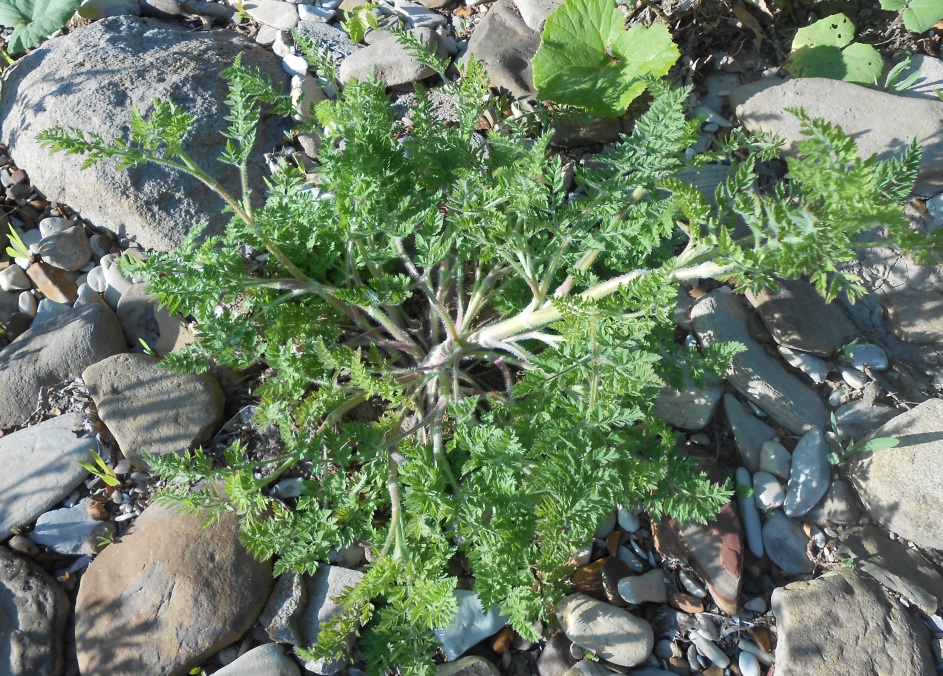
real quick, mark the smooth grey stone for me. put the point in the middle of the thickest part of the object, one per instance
(786, 544)
(116, 65)
(53, 224)
(775, 459)
(266, 660)
(115, 282)
(768, 493)
(867, 354)
(844, 623)
(34, 614)
(630, 559)
(758, 376)
(613, 634)
(895, 565)
(471, 625)
(810, 476)
(839, 504)
(555, 658)
(41, 468)
(323, 587)
(646, 588)
(505, 45)
(628, 519)
(880, 123)
(749, 432)
(284, 608)
(71, 530)
(14, 279)
(690, 408)
(275, 13)
(56, 350)
(812, 366)
(25, 304)
(66, 250)
(856, 419)
(900, 487)
(47, 309)
(710, 651)
(799, 318)
(749, 514)
(389, 61)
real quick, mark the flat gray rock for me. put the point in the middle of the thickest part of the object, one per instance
(326, 583)
(115, 65)
(71, 530)
(34, 611)
(844, 623)
(690, 408)
(58, 349)
(785, 544)
(895, 565)
(389, 61)
(266, 660)
(148, 408)
(614, 634)
(810, 476)
(900, 487)
(40, 468)
(799, 318)
(167, 595)
(857, 419)
(505, 45)
(881, 123)
(749, 432)
(284, 608)
(761, 378)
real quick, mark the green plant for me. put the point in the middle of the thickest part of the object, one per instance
(33, 21)
(17, 248)
(357, 21)
(844, 454)
(893, 83)
(463, 354)
(101, 469)
(918, 15)
(825, 49)
(587, 59)
(148, 350)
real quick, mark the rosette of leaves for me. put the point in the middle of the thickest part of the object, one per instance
(827, 49)
(33, 21)
(588, 59)
(463, 351)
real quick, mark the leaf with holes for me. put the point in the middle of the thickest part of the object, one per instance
(918, 15)
(33, 21)
(826, 49)
(587, 59)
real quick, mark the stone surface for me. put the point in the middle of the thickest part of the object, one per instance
(56, 350)
(167, 595)
(690, 408)
(327, 583)
(14, 279)
(857, 419)
(266, 660)
(56, 284)
(810, 476)
(71, 530)
(468, 666)
(839, 503)
(761, 378)
(34, 612)
(143, 319)
(768, 493)
(389, 61)
(916, 316)
(94, 10)
(929, 80)
(786, 544)
(799, 318)
(881, 123)
(749, 515)
(148, 408)
(749, 432)
(67, 250)
(775, 459)
(613, 634)
(274, 13)
(895, 565)
(646, 588)
(844, 623)
(284, 608)
(115, 65)
(505, 45)
(900, 487)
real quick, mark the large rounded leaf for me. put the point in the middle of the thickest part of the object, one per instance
(34, 20)
(918, 15)
(587, 58)
(825, 49)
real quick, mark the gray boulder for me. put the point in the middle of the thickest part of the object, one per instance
(505, 45)
(322, 588)
(55, 350)
(269, 659)
(900, 487)
(167, 595)
(761, 378)
(881, 123)
(33, 615)
(844, 623)
(148, 408)
(92, 78)
(389, 61)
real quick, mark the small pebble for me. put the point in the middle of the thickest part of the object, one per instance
(707, 627)
(295, 65)
(14, 279)
(764, 657)
(749, 665)
(854, 378)
(756, 604)
(710, 651)
(628, 558)
(870, 355)
(289, 488)
(767, 491)
(637, 548)
(628, 519)
(700, 439)
(26, 304)
(23, 545)
(694, 589)
(123, 466)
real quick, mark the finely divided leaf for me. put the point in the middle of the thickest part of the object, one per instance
(33, 20)
(587, 58)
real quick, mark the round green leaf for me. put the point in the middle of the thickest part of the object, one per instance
(587, 58)
(832, 31)
(34, 20)
(825, 49)
(922, 15)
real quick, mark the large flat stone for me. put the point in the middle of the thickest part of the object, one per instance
(55, 350)
(900, 487)
(844, 624)
(761, 378)
(40, 468)
(93, 78)
(167, 595)
(505, 45)
(881, 123)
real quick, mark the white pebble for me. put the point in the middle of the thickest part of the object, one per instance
(756, 604)
(628, 558)
(295, 65)
(125, 517)
(870, 355)
(641, 553)
(710, 651)
(123, 466)
(694, 589)
(26, 303)
(628, 519)
(764, 657)
(853, 377)
(749, 665)
(96, 279)
(314, 13)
